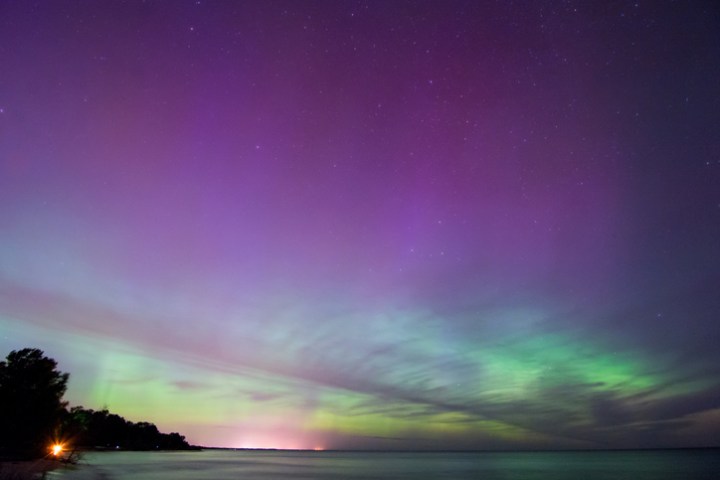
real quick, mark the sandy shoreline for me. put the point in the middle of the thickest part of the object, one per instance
(26, 470)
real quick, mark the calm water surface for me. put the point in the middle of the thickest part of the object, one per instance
(258, 465)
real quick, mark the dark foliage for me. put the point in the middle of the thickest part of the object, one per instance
(93, 429)
(33, 415)
(31, 406)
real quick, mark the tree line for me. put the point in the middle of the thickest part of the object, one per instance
(102, 429)
(33, 415)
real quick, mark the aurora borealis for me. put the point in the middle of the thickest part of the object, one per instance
(386, 225)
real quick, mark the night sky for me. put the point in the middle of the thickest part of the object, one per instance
(391, 225)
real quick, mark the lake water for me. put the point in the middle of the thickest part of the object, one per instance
(270, 465)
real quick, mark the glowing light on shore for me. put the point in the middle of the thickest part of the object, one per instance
(56, 449)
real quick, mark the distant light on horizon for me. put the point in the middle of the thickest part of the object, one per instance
(271, 445)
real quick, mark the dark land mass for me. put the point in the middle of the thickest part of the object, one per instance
(34, 417)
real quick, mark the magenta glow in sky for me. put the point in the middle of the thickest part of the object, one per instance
(368, 224)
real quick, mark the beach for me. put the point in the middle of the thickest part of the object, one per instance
(26, 470)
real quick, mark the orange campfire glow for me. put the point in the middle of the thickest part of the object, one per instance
(56, 449)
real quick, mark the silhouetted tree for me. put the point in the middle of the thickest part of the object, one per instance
(90, 428)
(31, 406)
(32, 414)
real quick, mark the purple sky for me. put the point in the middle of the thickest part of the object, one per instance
(369, 224)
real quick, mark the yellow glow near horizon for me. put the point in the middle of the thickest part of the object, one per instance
(57, 449)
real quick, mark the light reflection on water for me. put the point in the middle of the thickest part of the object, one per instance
(255, 465)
